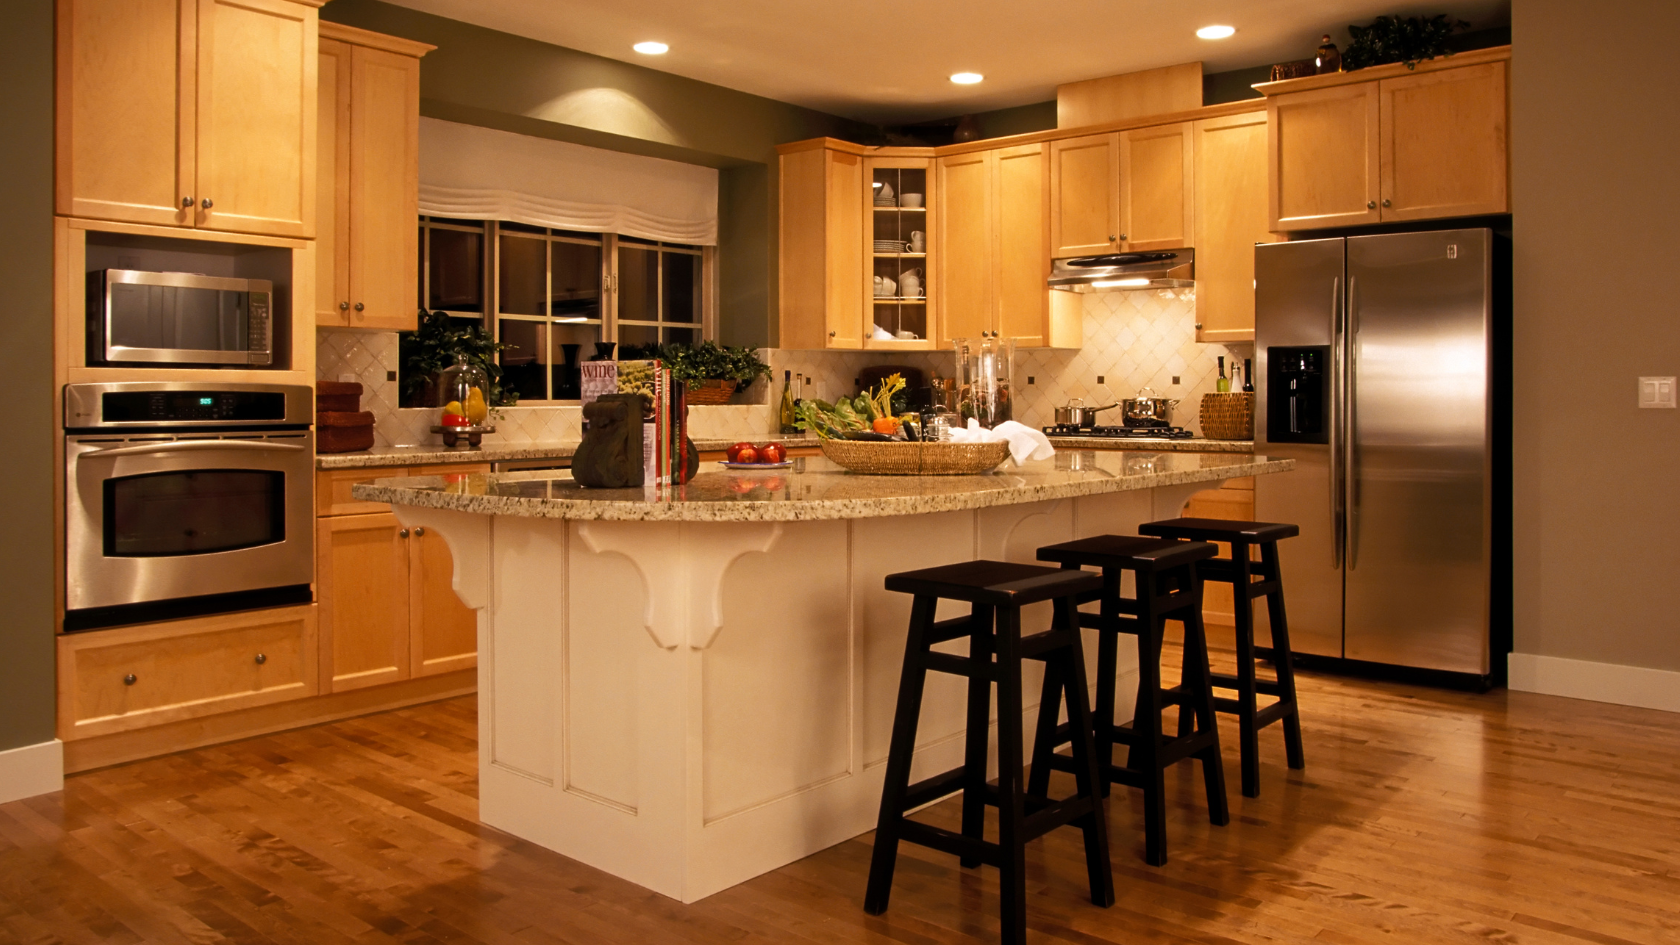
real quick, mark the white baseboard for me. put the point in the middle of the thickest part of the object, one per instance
(31, 770)
(1596, 682)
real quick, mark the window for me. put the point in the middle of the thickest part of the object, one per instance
(549, 294)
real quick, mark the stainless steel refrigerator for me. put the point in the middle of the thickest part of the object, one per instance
(1375, 368)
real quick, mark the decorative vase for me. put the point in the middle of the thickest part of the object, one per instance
(568, 385)
(604, 350)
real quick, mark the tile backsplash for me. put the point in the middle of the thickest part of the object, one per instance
(1132, 340)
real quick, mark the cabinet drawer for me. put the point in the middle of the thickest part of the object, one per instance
(332, 489)
(184, 669)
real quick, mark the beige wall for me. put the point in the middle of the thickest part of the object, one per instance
(1596, 193)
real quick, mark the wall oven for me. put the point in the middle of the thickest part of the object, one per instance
(159, 318)
(183, 499)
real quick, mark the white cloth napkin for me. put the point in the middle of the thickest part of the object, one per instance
(1024, 442)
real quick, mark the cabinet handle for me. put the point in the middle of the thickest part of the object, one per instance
(130, 679)
(262, 658)
(208, 203)
(403, 533)
(344, 306)
(358, 306)
(419, 531)
(1386, 203)
(1370, 205)
(186, 202)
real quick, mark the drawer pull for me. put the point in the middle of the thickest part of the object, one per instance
(262, 658)
(130, 679)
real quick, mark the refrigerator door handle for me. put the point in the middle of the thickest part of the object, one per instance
(1350, 435)
(1335, 391)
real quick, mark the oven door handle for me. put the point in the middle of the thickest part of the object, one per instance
(194, 445)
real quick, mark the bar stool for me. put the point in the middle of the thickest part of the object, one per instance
(1250, 579)
(997, 591)
(1168, 588)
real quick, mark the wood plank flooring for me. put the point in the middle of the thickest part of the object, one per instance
(1422, 817)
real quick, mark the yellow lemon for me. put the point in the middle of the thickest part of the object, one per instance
(453, 407)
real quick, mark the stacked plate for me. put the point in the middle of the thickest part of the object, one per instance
(886, 201)
(889, 246)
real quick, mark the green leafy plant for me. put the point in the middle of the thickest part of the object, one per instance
(435, 346)
(1407, 39)
(706, 361)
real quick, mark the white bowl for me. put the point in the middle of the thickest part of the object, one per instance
(910, 200)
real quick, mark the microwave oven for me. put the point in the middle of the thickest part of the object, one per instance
(157, 318)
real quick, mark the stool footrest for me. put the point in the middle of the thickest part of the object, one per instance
(959, 665)
(949, 841)
(953, 629)
(928, 790)
(1267, 687)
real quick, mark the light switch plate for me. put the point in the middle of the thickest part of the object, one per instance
(1656, 392)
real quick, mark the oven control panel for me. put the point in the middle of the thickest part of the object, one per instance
(153, 405)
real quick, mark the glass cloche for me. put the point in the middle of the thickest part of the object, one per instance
(463, 400)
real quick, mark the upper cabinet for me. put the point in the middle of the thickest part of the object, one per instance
(190, 113)
(820, 254)
(1230, 219)
(1121, 191)
(897, 282)
(1085, 195)
(368, 147)
(1388, 145)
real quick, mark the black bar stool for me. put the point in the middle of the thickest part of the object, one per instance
(997, 590)
(1250, 579)
(1168, 588)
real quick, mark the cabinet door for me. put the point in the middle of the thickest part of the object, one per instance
(1323, 167)
(1156, 193)
(332, 179)
(965, 236)
(1230, 219)
(257, 62)
(1085, 195)
(125, 104)
(384, 189)
(820, 252)
(1444, 144)
(843, 311)
(442, 631)
(362, 564)
(1022, 240)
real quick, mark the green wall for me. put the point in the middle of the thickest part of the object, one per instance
(484, 77)
(26, 508)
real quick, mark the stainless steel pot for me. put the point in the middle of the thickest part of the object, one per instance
(1147, 410)
(1077, 414)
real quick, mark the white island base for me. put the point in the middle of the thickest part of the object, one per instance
(688, 705)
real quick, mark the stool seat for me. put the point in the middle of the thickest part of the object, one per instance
(998, 583)
(1129, 552)
(1214, 529)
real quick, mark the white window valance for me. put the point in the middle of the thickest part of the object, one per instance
(484, 174)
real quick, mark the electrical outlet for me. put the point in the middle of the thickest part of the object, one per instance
(1656, 392)
(390, 375)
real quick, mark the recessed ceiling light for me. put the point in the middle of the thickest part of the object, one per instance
(966, 78)
(1216, 32)
(651, 48)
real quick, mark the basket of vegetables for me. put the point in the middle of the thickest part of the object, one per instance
(861, 434)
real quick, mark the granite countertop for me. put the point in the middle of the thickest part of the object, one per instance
(814, 488)
(495, 453)
(1153, 444)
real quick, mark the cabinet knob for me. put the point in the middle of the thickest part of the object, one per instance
(832, 334)
(1198, 326)
(262, 658)
(1370, 205)
(1112, 238)
(358, 306)
(186, 202)
(344, 306)
(207, 203)
(419, 531)
(1122, 237)
(130, 679)
(403, 533)
(1386, 203)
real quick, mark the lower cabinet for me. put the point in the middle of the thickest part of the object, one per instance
(1233, 501)
(128, 678)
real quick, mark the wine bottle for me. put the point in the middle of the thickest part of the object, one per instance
(1248, 375)
(786, 414)
(1223, 385)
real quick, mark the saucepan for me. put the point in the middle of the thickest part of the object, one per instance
(1079, 415)
(1147, 410)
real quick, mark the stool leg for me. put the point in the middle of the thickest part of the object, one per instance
(1108, 644)
(1283, 657)
(1089, 781)
(1012, 859)
(1044, 733)
(1198, 690)
(899, 754)
(979, 722)
(1144, 758)
(1248, 735)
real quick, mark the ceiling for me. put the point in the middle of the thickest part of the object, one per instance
(890, 62)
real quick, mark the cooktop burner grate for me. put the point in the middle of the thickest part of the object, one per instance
(1119, 433)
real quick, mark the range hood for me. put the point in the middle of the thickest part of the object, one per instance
(1160, 269)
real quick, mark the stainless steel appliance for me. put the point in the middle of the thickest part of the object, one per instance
(184, 499)
(1375, 357)
(1160, 269)
(157, 318)
(1120, 433)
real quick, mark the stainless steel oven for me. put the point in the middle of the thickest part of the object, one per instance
(184, 499)
(166, 318)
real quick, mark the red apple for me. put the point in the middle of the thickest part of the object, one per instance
(735, 451)
(744, 453)
(772, 453)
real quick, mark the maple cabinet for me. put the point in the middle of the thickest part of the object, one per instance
(1122, 191)
(820, 230)
(368, 156)
(1085, 195)
(1230, 218)
(901, 280)
(1389, 145)
(188, 113)
(388, 611)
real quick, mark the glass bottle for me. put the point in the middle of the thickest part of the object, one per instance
(1248, 375)
(787, 415)
(1329, 58)
(1223, 385)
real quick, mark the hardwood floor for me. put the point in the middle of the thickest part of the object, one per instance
(1422, 817)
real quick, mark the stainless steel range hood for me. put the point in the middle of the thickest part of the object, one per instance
(1159, 269)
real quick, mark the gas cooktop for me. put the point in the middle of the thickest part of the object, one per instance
(1120, 433)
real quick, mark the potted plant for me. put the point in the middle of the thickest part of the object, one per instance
(1407, 39)
(425, 353)
(712, 371)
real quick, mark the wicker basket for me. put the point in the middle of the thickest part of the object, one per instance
(710, 393)
(1228, 416)
(900, 458)
(1299, 69)
(338, 396)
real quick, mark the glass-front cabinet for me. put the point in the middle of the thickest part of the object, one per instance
(899, 243)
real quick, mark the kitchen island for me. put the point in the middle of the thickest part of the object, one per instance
(688, 687)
